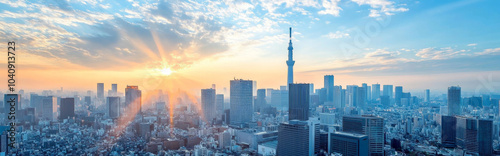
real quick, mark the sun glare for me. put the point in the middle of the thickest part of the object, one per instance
(165, 71)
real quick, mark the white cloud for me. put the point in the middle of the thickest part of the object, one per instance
(331, 8)
(442, 53)
(489, 51)
(337, 35)
(472, 44)
(381, 7)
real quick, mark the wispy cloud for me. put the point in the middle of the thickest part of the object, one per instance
(336, 35)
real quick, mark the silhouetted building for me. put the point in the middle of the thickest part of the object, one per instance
(388, 91)
(360, 97)
(454, 96)
(67, 108)
(208, 104)
(328, 85)
(299, 102)
(241, 100)
(448, 131)
(133, 98)
(398, 94)
(260, 102)
(113, 104)
(467, 133)
(427, 97)
(485, 137)
(100, 91)
(375, 91)
(219, 104)
(114, 90)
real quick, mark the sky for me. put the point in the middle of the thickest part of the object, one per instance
(193, 44)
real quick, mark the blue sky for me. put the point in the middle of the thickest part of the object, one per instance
(418, 44)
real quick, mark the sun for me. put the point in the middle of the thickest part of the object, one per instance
(165, 71)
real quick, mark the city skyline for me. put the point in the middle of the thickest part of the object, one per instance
(121, 44)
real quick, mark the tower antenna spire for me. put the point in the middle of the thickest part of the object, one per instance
(290, 33)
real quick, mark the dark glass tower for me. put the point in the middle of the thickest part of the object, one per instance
(298, 102)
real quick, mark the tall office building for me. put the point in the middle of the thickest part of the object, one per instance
(299, 102)
(48, 108)
(448, 131)
(133, 98)
(87, 100)
(4, 142)
(360, 97)
(290, 62)
(260, 102)
(11, 100)
(368, 93)
(328, 85)
(67, 108)
(375, 91)
(337, 97)
(398, 94)
(467, 133)
(454, 96)
(219, 104)
(298, 138)
(114, 90)
(485, 137)
(427, 96)
(388, 91)
(351, 95)
(241, 100)
(369, 125)
(208, 104)
(113, 104)
(100, 91)
(348, 144)
(365, 86)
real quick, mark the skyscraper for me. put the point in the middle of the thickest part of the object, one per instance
(241, 100)
(290, 62)
(360, 97)
(219, 104)
(11, 100)
(388, 91)
(448, 131)
(485, 137)
(328, 85)
(299, 101)
(364, 85)
(114, 89)
(49, 108)
(427, 97)
(113, 104)
(298, 138)
(260, 102)
(100, 91)
(398, 94)
(467, 133)
(454, 96)
(375, 91)
(337, 97)
(208, 104)
(133, 98)
(369, 125)
(67, 108)
(348, 143)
